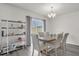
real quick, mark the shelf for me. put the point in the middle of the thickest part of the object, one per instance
(12, 28)
(13, 35)
(16, 21)
(4, 20)
(16, 28)
(12, 21)
(3, 27)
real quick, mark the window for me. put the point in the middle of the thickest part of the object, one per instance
(37, 25)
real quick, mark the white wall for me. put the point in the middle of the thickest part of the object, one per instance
(49, 25)
(68, 23)
(15, 13)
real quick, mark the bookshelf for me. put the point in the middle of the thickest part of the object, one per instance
(13, 35)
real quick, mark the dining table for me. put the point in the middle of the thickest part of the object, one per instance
(45, 41)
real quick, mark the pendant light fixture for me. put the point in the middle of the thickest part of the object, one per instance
(52, 14)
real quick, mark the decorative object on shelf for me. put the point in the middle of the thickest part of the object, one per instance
(3, 28)
(13, 46)
(52, 14)
(2, 33)
(11, 25)
(4, 50)
(24, 32)
(20, 39)
(21, 26)
(12, 33)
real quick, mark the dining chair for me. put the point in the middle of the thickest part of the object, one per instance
(56, 44)
(63, 42)
(43, 35)
(36, 45)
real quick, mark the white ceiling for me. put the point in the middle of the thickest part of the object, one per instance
(44, 8)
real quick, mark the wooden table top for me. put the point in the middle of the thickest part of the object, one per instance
(49, 40)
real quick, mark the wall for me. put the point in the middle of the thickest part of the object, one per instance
(14, 13)
(68, 23)
(49, 25)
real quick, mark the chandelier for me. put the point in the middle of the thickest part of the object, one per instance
(52, 14)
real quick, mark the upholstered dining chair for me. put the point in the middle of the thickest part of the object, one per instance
(63, 42)
(56, 44)
(43, 35)
(37, 46)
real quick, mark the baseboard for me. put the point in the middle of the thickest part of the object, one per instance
(72, 44)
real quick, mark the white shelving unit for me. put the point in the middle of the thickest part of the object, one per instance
(13, 35)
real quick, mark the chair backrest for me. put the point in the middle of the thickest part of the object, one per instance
(54, 35)
(41, 34)
(44, 35)
(60, 36)
(58, 40)
(65, 37)
(35, 41)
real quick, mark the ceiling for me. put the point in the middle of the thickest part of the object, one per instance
(44, 8)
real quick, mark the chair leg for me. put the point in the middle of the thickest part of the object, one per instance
(64, 50)
(38, 53)
(33, 52)
(55, 51)
(46, 51)
(61, 50)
